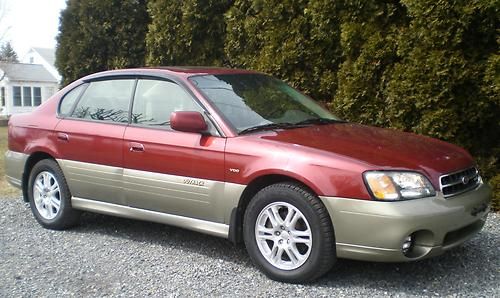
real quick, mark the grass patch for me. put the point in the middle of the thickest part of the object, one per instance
(6, 190)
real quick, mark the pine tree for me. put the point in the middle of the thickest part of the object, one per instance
(7, 53)
(297, 41)
(189, 32)
(96, 35)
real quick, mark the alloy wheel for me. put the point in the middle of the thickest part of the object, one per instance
(283, 235)
(47, 195)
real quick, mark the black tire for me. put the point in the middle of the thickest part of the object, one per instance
(287, 196)
(65, 216)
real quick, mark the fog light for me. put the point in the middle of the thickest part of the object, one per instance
(407, 245)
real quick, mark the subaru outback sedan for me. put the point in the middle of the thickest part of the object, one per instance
(241, 155)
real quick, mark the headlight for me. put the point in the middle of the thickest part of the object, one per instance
(393, 186)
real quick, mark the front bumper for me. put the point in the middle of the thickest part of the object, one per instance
(14, 167)
(375, 231)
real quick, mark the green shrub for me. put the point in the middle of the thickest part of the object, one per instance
(425, 66)
(296, 41)
(495, 185)
(189, 32)
(98, 35)
(435, 73)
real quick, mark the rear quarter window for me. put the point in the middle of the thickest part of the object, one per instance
(69, 100)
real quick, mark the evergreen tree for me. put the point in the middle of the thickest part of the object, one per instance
(430, 67)
(296, 41)
(425, 66)
(7, 53)
(186, 32)
(369, 45)
(97, 35)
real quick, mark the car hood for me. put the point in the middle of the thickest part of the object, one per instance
(378, 148)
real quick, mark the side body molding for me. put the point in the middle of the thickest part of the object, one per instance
(187, 202)
(207, 227)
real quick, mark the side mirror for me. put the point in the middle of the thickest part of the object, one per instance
(188, 121)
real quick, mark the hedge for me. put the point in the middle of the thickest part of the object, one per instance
(429, 67)
(96, 35)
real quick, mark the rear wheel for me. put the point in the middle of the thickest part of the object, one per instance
(49, 196)
(288, 233)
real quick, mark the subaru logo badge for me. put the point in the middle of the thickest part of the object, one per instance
(465, 179)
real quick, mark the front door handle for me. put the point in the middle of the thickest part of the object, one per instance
(62, 136)
(136, 147)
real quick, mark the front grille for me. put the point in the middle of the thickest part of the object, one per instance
(459, 182)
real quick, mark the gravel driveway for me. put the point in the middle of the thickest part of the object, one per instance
(107, 256)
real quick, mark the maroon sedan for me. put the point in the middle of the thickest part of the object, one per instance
(241, 155)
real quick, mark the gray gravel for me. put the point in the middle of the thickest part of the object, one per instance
(107, 256)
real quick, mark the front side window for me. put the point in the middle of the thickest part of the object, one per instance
(16, 91)
(106, 101)
(155, 101)
(252, 100)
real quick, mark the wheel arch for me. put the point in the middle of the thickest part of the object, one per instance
(257, 184)
(30, 162)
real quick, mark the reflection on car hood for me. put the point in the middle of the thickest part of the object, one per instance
(378, 147)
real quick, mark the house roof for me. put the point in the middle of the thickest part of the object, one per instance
(47, 54)
(27, 72)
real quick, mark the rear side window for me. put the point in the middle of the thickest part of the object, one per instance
(69, 100)
(106, 101)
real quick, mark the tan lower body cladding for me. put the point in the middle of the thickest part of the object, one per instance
(192, 203)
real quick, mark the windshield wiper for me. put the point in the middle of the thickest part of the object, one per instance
(161, 123)
(269, 126)
(287, 125)
(319, 121)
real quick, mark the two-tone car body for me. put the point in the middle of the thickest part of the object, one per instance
(240, 155)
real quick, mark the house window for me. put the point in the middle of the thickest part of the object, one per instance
(27, 97)
(37, 96)
(17, 96)
(2, 96)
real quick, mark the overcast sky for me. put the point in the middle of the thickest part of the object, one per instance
(30, 23)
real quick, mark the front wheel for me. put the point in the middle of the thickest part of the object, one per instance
(49, 196)
(288, 233)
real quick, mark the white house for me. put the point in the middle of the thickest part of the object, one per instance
(45, 57)
(24, 87)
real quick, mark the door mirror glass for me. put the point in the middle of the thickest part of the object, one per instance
(188, 121)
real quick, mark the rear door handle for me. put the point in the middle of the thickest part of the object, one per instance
(136, 147)
(62, 136)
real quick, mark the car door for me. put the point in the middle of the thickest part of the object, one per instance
(169, 171)
(90, 138)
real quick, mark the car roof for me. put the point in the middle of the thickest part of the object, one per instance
(181, 71)
(199, 70)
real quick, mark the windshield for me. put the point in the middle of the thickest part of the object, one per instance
(256, 100)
